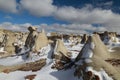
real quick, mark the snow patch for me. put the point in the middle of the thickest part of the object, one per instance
(20, 59)
(88, 60)
(2, 49)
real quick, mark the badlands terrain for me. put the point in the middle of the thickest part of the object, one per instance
(37, 55)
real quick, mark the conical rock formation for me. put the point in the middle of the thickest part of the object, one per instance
(93, 46)
(61, 55)
(31, 38)
(96, 51)
(9, 43)
(41, 41)
(61, 51)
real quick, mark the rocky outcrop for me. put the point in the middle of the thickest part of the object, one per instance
(84, 39)
(41, 41)
(99, 52)
(61, 55)
(2, 39)
(93, 45)
(9, 47)
(60, 51)
(11, 42)
(113, 36)
(31, 38)
(108, 36)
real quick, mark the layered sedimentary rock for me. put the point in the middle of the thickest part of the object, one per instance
(31, 66)
(96, 52)
(9, 47)
(60, 50)
(10, 42)
(41, 41)
(60, 55)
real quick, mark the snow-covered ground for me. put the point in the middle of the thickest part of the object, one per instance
(75, 49)
(112, 45)
(47, 73)
(20, 59)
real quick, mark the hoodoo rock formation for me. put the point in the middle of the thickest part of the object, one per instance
(31, 38)
(35, 54)
(93, 54)
(61, 55)
(41, 41)
(60, 51)
(9, 47)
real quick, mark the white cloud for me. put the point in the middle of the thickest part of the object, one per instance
(86, 15)
(64, 28)
(8, 6)
(79, 18)
(89, 15)
(14, 27)
(38, 7)
(49, 28)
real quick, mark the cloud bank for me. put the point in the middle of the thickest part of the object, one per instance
(8, 6)
(79, 19)
(64, 28)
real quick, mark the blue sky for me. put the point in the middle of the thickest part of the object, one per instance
(25, 17)
(65, 15)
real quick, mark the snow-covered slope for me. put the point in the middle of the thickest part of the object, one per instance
(44, 74)
(47, 73)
